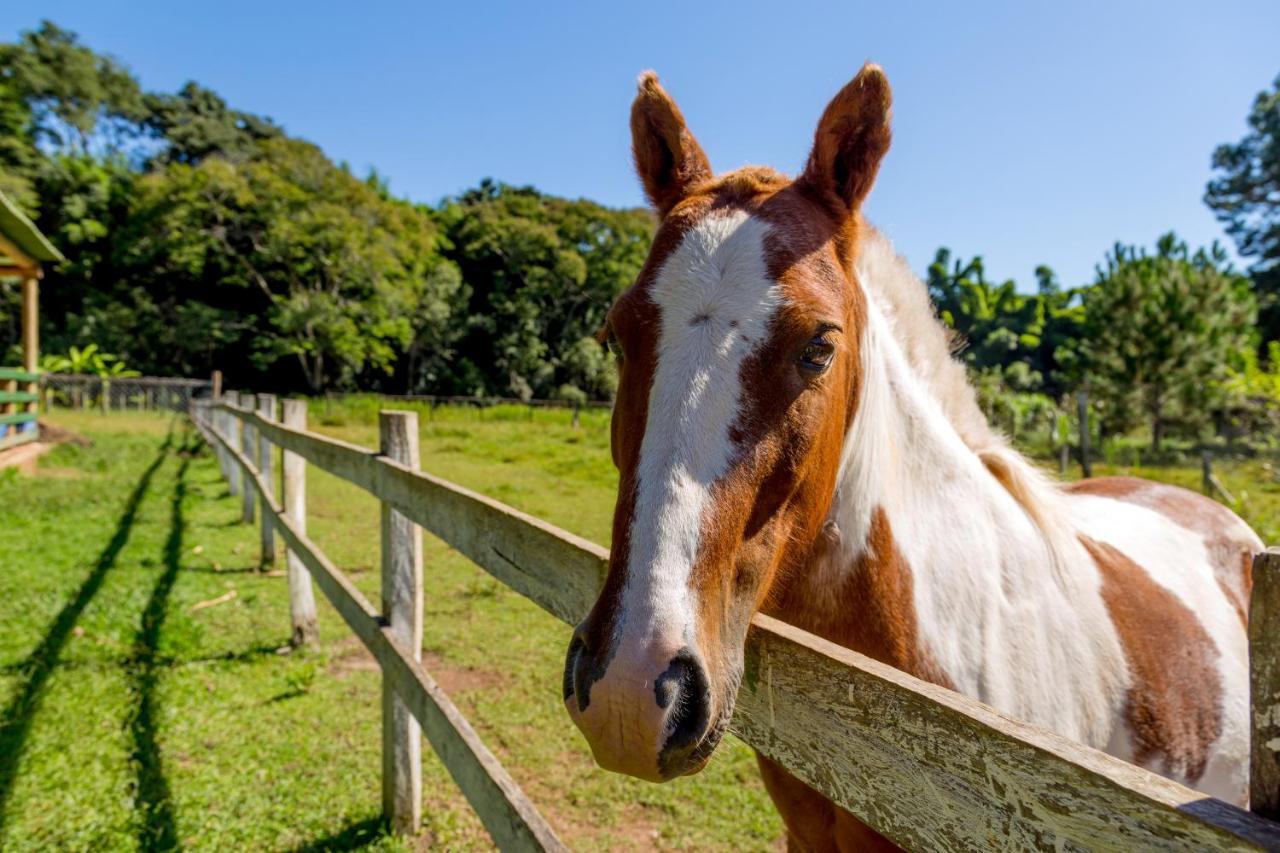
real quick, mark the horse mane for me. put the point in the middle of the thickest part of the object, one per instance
(930, 349)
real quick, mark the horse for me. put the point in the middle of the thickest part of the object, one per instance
(794, 435)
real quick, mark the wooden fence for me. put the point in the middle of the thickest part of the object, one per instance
(19, 401)
(928, 768)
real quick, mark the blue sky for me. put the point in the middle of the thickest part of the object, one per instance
(1025, 132)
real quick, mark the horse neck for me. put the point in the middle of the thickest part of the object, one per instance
(914, 508)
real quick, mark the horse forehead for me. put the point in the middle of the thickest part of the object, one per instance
(718, 274)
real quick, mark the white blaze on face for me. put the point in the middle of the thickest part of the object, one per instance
(715, 300)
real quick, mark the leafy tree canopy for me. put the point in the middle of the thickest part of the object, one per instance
(1161, 332)
(1245, 195)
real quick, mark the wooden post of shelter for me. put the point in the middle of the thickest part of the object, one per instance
(1264, 686)
(302, 597)
(267, 411)
(249, 447)
(402, 610)
(22, 251)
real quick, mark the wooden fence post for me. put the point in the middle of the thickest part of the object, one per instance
(232, 435)
(215, 381)
(1264, 686)
(402, 609)
(249, 447)
(1082, 415)
(268, 411)
(302, 598)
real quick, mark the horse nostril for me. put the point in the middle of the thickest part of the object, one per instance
(684, 688)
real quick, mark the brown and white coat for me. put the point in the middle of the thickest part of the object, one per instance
(794, 436)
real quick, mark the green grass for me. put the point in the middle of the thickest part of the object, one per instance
(131, 720)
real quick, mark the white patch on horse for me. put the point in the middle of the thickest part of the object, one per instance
(716, 301)
(1012, 613)
(1009, 607)
(1177, 560)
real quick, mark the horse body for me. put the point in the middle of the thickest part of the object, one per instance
(794, 436)
(1091, 611)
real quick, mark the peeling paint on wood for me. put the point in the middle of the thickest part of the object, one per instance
(1264, 684)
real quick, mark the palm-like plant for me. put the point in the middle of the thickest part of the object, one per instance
(87, 361)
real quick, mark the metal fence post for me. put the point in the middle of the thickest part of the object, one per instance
(267, 411)
(249, 447)
(302, 598)
(402, 608)
(1264, 686)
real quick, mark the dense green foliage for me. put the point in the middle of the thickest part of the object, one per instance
(198, 236)
(201, 236)
(1012, 336)
(1245, 195)
(1162, 330)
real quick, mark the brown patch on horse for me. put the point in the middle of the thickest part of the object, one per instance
(1174, 704)
(668, 158)
(1227, 539)
(871, 609)
(814, 823)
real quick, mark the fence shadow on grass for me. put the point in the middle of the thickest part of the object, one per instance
(351, 837)
(152, 797)
(15, 725)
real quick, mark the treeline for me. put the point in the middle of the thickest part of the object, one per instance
(198, 235)
(201, 236)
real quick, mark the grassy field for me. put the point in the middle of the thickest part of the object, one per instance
(133, 717)
(132, 720)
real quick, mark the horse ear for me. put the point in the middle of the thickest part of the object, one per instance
(853, 136)
(668, 159)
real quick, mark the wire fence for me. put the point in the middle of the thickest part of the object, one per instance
(138, 393)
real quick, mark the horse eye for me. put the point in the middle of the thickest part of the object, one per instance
(817, 355)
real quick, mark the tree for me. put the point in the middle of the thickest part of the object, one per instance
(1014, 337)
(542, 272)
(73, 95)
(199, 235)
(338, 279)
(196, 123)
(1160, 331)
(1245, 195)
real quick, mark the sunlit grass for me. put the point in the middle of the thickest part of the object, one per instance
(131, 718)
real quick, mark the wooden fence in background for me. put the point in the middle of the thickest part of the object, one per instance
(928, 768)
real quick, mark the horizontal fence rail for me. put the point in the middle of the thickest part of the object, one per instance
(925, 766)
(488, 402)
(19, 403)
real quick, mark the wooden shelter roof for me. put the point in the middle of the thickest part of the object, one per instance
(22, 246)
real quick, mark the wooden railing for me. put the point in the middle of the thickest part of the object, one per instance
(927, 767)
(19, 404)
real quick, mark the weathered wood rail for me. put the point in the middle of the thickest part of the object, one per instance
(929, 768)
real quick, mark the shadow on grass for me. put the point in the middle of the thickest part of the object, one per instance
(15, 725)
(152, 797)
(247, 655)
(352, 837)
